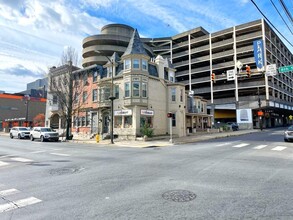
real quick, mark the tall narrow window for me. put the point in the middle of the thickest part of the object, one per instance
(127, 89)
(95, 76)
(84, 78)
(95, 95)
(55, 99)
(116, 91)
(144, 90)
(174, 120)
(135, 89)
(144, 65)
(173, 94)
(181, 95)
(110, 70)
(136, 63)
(127, 64)
(84, 96)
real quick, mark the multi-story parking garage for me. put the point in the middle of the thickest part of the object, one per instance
(196, 54)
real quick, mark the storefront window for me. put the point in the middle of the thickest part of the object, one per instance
(146, 120)
(118, 122)
(128, 122)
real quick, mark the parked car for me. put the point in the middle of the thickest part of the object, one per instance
(19, 132)
(288, 134)
(234, 126)
(44, 134)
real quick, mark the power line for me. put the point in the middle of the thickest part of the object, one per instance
(281, 16)
(271, 23)
(286, 11)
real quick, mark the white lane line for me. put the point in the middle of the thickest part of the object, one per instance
(19, 204)
(224, 144)
(260, 147)
(20, 159)
(279, 148)
(64, 155)
(57, 149)
(240, 145)
(8, 192)
(37, 152)
(3, 163)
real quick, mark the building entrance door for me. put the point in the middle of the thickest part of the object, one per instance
(105, 122)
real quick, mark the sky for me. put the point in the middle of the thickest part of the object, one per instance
(34, 33)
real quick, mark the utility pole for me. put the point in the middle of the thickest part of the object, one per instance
(259, 109)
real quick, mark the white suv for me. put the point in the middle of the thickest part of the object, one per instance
(44, 134)
(19, 132)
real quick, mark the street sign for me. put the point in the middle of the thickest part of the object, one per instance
(239, 64)
(191, 92)
(231, 75)
(271, 70)
(285, 69)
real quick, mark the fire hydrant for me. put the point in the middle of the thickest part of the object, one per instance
(97, 138)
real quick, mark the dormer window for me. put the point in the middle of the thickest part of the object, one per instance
(144, 64)
(135, 63)
(110, 70)
(127, 64)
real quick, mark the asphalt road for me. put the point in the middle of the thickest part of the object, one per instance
(245, 177)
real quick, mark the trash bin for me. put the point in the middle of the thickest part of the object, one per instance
(97, 138)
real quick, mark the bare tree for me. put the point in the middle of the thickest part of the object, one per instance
(67, 85)
(61, 86)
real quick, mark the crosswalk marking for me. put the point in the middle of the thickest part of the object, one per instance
(20, 159)
(3, 163)
(57, 154)
(260, 147)
(8, 192)
(279, 148)
(240, 145)
(19, 204)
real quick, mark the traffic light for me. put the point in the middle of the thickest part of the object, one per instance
(213, 77)
(248, 71)
(169, 115)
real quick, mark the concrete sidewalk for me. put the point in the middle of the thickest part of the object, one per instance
(155, 142)
(165, 141)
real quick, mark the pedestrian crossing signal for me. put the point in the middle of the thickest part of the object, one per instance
(169, 115)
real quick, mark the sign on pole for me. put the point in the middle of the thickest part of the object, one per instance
(271, 70)
(231, 75)
(284, 69)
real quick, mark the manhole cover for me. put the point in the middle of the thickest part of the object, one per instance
(179, 195)
(66, 170)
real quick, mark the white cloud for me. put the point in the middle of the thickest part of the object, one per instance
(34, 33)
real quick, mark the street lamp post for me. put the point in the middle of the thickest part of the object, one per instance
(112, 98)
(26, 98)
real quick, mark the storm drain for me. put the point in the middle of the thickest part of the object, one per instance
(66, 170)
(179, 195)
